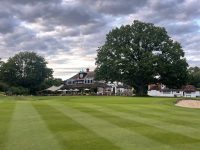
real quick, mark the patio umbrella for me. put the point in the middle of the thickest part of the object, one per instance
(76, 90)
(86, 89)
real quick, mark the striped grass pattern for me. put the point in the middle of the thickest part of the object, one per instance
(97, 123)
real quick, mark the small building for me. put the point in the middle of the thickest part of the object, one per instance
(190, 91)
(163, 91)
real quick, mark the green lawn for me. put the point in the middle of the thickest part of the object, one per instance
(97, 123)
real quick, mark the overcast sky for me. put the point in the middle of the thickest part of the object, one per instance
(68, 32)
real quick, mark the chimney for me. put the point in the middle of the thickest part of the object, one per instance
(87, 70)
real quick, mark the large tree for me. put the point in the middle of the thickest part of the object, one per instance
(194, 76)
(26, 69)
(1, 64)
(140, 54)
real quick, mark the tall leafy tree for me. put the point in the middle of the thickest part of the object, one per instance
(194, 76)
(1, 63)
(140, 54)
(26, 69)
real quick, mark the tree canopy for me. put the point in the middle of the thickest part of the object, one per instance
(50, 82)
(194, 76)
(25, 69)
(140, 54)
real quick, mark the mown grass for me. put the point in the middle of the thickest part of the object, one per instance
(96, 123)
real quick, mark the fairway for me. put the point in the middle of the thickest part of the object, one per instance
(97, 123)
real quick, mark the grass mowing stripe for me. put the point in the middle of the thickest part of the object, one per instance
(176, 140)
(165, 109)
(28, 131)
(121, 137)
(70, 134)
(175, 121)
(170, 128)
(6, 111)
(166, 117)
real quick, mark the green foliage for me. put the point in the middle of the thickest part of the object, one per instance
(194, 76)
(140, 54)
(1, 63)
(17, 91)
(25, 69)
(3, 86)
(50, 82)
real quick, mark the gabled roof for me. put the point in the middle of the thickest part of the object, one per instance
(54, 88)
(90, 74)
(74, 77)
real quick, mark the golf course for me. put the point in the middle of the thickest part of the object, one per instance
(97, 123)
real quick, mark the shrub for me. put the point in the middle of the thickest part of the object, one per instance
(17, 91)
(3, 86)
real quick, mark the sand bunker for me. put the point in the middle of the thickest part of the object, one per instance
(189, 103)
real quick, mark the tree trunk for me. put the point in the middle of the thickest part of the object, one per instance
(141, 90)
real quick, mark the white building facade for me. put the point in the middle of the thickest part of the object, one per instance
(162, 91)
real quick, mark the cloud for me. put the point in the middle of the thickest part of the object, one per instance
(30, 2)
(179, 28)
(115, 7)
(68, 32)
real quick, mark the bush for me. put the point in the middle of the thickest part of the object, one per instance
(3, 86)
(17, 91)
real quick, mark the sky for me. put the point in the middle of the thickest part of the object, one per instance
(68, 32)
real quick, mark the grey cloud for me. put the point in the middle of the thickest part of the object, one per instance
(183, 28)
(93, 28)
(7, 21)
(172, 10)
(115, 7)
(25, 2)
(7, 25)
(24, 39)
(20, 35)
(194, 63)
(54, 14)
(48, 45)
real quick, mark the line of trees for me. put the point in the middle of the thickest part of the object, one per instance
(26, 73)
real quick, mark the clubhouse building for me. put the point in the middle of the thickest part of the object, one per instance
(84, 82)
